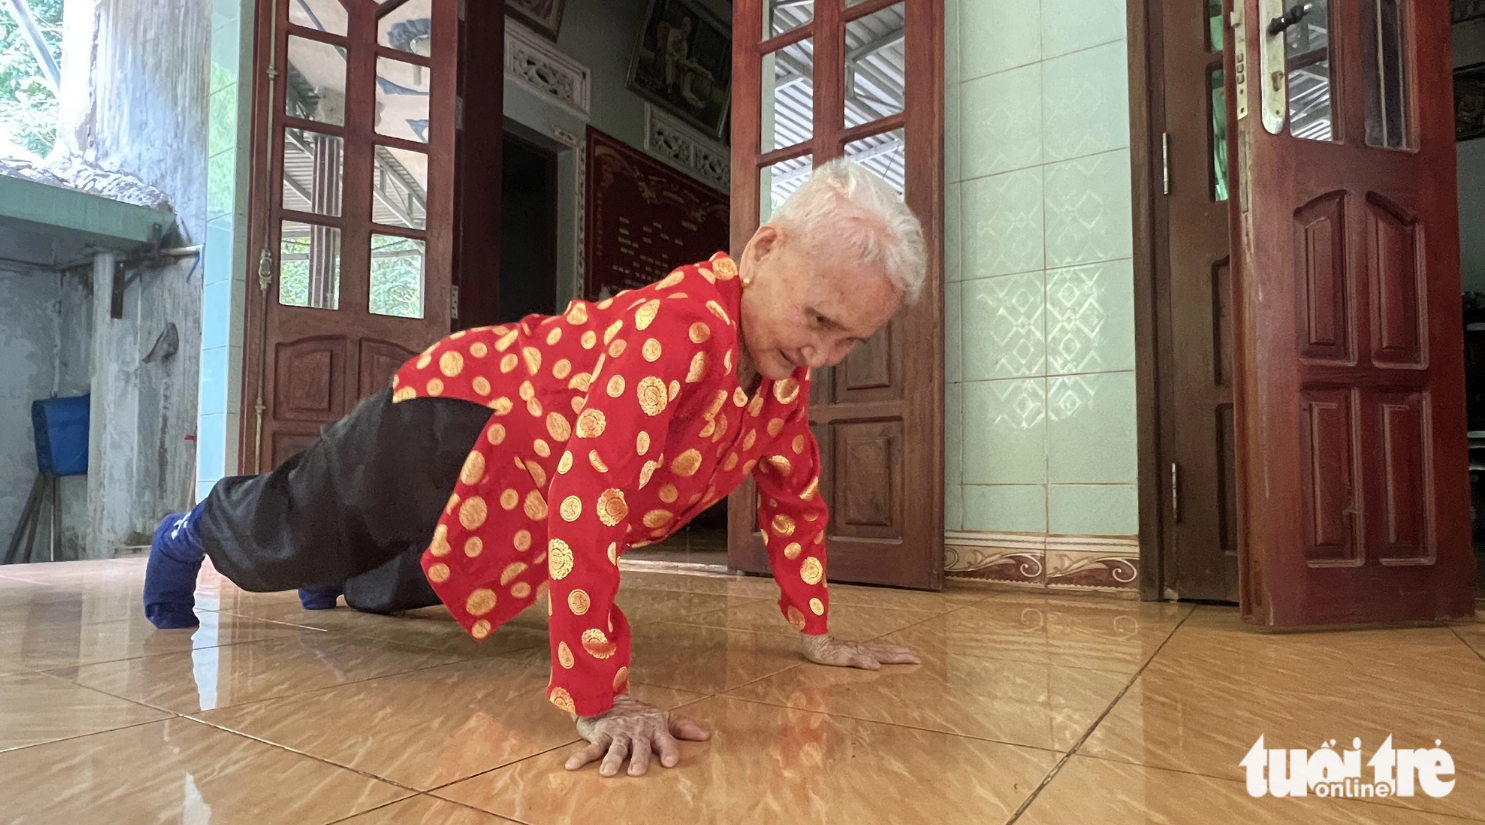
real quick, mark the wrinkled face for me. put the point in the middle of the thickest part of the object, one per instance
(808, 304)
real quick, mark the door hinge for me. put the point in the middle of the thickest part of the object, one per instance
(1165, 160)
(459, 113)
(454, 302)
(1175, 492)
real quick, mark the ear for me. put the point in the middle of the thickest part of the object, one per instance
(764, 242)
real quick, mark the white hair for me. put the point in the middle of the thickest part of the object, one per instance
(850, 204)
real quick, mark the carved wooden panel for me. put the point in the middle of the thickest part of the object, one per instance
(379, 362)
(1407, 495)
(1227, 514)
(1392, 251)
(286, 445)
(869, 454)
(1222, 321)
(872, 372)
(309, 376)
(1320, 273)
(1328, 461)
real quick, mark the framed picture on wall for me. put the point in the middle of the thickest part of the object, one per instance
(683, 63)
(1469, 102)
(544, 16)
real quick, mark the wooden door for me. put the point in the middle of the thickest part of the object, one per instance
(1350, 382)
(352, 208)
(864, 78)
(1199, 505)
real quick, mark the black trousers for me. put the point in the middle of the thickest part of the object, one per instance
(356, 509)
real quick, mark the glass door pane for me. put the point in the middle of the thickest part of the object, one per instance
(875, 66)
(788, 99)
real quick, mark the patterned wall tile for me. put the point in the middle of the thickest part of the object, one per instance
(1003, 224)
(1070, 25)
(953, 507)
(954, 434)
(953, 232)
(953, 339)
(1003, 324)
(953, 153)
(1005, 432)
(1006, 508)
(1090, 318)
(1085, 108)
(1091, 429)
(1000, 121)
(1089, 210)
(995, 35)
(1094, 509)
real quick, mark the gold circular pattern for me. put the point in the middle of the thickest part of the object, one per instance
(508, 363)
(750, 439)
(671, 280)
(646, 314)
(502, 405)
(616, 386)
(781, 464)
(572, 508)
(404, 394)
(527, 391)
(725, 268)
(651, 350)
(669, 494)
(565, 464)
(652, 398)
(509, 499)
(642, 442)
(511, 572)
(424, 361)
(562, 369)
(562, 699)
(480, 385)
(775, 427)
(480, 602)
(686, 464)
(739, 398)
(520, 590)
(438, 573)
(817, 607)
(613, 553)
(435, 387)
(607, 302)
(474, 547)
(577, 313)
(591, 423)
(648, 470)
(564, 656)
(532, 357)
(621, 680)
(698, 368)
(700, 333)
(580, 382)
(796, 617)
(559, 559)
(655, 519)
(612, 509)
(472, 513)
(440, 544)
(534, 407)
(708, 430)
(613, 329)
(542, 448)
(617, 348)
(589, 339)
(478, 350)
(597, 461)
(812, 571)
(578, 602)
(480, 630)
(578, 402)
(820, 538)
(474, 469)
(793, 550)
(554, 336)
(506, 340)
(718, 311)
(558, 428)
(756, 405)
(453, 502)
(536, 506)
(783, 525)
(451, 364)
(522, 540)
(731, 462)
(798, 444)
(597, 644)
(786, 391)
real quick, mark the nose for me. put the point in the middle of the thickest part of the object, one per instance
(816, 356)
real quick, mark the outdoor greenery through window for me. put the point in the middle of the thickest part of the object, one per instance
(28, 85)
(396, 276)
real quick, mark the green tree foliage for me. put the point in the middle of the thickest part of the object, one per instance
(28, 108)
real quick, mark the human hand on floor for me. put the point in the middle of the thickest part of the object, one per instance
(828, 650)
(632, 729)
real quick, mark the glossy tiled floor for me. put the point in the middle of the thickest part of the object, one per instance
(1027, 708)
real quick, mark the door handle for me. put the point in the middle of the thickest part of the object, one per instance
(1273, 78)
(1296, 13)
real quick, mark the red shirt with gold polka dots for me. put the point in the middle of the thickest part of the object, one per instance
(613, 425)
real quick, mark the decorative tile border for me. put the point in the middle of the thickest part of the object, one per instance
(680, 146)
(1049, 562)
(541, 67)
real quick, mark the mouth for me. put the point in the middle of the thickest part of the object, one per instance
(790, 361)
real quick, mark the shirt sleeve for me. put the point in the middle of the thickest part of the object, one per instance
(793, 516)
(635, 391)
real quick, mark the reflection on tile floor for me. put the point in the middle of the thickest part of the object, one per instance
(1027, 708)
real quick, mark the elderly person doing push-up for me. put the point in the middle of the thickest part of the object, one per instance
(528, 457)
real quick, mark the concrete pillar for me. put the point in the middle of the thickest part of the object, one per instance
(113, 440)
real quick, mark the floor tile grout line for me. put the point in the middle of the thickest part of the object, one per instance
(1478, 651)
(90, 733)
(1071, 752)
(280, 746)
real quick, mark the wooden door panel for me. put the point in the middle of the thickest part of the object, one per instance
(867, 470)
(379, 362)
(1361, 420)
(310, 375)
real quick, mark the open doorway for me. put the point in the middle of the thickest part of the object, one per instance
(528, 229)
(1468, 35)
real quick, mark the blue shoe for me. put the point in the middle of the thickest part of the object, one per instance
(320, 598)
(176, 555)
